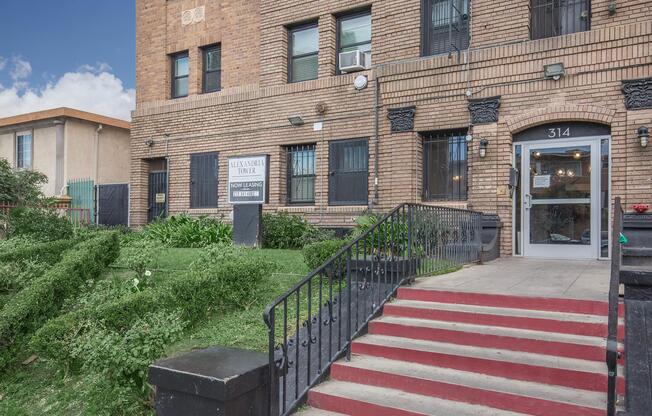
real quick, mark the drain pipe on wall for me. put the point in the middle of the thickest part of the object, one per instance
(374, 200)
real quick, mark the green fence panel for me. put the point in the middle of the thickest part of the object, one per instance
(82, 192)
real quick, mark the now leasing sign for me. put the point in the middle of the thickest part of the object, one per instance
(247, 179)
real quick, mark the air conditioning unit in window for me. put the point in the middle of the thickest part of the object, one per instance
(354, 61)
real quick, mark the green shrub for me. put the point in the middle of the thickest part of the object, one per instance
(49, 252)
(16, 275)
(20, 187)
(141, 257)
(285, 231)
(225, 278)
(44, 297)
(316, 254)
(182, 231)
(38, 223)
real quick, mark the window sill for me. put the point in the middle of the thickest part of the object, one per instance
(199, 211)
(447, 204)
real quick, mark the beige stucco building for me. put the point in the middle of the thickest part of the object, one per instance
(67, 144)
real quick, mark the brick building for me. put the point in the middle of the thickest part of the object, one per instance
(449, 99)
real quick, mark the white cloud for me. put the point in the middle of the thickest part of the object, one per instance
(90, 88)
(22, 69)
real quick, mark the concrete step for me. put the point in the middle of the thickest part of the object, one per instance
(489, 336)
(579, 306)
(315, 412)
(362, 400)
(494, 392)
(546, 321)
(540, 368)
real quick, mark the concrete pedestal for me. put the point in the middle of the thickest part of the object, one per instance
(214, 381)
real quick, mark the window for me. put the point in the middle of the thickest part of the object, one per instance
(203, 180)
(354, 33)
(303, 53)
(180, 75)
(24, 147)
(348, 172)
(445, 166)
(212, 69)
(446, 26)
(301, 174)
(559, 17)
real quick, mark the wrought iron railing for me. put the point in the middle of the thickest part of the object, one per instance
(614, 296)
(312, 325)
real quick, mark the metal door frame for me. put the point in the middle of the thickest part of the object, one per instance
(562, 251)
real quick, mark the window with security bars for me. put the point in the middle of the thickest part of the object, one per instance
(445, 166)
(446, 26)
(301, 174)
(550, 18)
(203, 180)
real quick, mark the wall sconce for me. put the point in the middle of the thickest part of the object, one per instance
(484, 143)
(149, 143)
(643, 135)
(554, 71)
(296, 121)
(612, 8)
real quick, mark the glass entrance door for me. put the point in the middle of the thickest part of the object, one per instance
(561, 199)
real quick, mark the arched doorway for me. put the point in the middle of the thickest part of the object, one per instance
(561, 207)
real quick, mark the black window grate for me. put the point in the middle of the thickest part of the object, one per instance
(301, 174)
(349, 172)
(446, 26)
(445, 166)
(550, 18)
(203, 180)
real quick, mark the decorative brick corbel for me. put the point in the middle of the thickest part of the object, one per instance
(402, 119)
(484, 110)
(638, 93)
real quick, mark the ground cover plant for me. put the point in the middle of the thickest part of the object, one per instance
(185, 231)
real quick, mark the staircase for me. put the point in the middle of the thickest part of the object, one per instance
(454, 353)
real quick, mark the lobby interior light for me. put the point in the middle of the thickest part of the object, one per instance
(484, 143)
(643, 135)
(296, 121)
(554, 71)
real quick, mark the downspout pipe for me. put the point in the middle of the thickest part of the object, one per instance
(374, 201)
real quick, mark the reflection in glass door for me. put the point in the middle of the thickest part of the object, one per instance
(560, 199)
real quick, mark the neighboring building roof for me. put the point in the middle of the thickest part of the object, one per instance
(64, 112)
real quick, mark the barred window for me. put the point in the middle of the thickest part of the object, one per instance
(301, 174)
(445, 166)
(550, 18)
(203, 180)
(446, 26)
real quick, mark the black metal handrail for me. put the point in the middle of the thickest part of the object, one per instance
(312, 325)
(614, 295)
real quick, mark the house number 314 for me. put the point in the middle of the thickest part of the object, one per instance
(558, 132)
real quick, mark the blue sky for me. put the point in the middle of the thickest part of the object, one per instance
(78, 53)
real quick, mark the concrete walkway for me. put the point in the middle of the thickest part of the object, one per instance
(572, 279)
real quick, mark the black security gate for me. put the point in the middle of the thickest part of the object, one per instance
(158, 194)
(349, 172)
(113, 204)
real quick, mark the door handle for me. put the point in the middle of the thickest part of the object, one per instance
(528, 201)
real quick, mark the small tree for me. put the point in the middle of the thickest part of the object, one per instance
(20, 187)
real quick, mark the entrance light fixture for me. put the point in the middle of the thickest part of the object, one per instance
(554, 71)
(296, 121)
(484, 143)
(643, 135)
